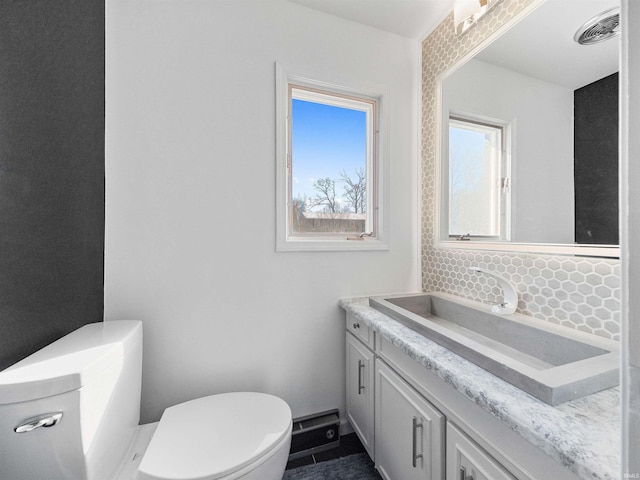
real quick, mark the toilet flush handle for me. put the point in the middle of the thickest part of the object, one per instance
(46, 420)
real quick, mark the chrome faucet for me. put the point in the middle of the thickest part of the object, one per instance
(510, 301)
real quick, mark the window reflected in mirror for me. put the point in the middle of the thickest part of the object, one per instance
(478, 180)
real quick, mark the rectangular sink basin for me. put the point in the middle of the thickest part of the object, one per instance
(550, 362)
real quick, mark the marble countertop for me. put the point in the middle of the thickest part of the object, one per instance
(583, 434)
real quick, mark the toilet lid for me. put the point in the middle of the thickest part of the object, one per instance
(214, 436)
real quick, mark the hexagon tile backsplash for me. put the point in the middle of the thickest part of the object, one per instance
(577, 292)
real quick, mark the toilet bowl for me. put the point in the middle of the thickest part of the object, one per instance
(71, 411)
(226, 436)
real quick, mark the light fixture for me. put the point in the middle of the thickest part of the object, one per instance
(466, 13)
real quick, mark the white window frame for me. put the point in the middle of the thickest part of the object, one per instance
(442, 239)
(377, 165)
(501, 201)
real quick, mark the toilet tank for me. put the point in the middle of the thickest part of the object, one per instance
(92, 377)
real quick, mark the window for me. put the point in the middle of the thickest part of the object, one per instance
(329, 166)
(478, 181)
(331, 159)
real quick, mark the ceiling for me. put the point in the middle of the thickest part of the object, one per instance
(408, 18)
(542, 45)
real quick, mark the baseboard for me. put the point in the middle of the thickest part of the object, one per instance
(345, 427)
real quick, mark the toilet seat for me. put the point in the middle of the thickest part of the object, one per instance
(214, 437)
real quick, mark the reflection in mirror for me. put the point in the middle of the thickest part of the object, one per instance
(476, 164)
(550, 175)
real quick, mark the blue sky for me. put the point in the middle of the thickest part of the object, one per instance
(325, 140)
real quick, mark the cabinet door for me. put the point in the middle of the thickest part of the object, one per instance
(409, 438)
(360, 377)
(467, 461)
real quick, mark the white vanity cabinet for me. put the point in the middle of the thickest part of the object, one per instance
(415, 426)
(359, 388)
(409, 440)
(467, 461)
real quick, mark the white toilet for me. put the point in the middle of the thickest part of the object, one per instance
(71, 410)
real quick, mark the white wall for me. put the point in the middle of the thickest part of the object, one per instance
(541, 114)
(190, 197)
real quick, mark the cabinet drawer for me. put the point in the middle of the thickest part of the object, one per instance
(361, 330)
(466, 460)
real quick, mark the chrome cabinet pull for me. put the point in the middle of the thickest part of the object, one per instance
(360, 368)
(47, 420)
(415, 454)
(463, 474)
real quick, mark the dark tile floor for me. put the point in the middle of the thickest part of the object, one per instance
(349, 444)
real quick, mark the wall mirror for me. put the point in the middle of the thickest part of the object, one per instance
(528, 128)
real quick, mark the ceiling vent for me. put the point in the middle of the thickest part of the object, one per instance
(599, 28)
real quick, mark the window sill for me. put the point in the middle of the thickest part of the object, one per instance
(313, 244)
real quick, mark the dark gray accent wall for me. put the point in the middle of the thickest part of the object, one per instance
(596, 162)
(51, 171)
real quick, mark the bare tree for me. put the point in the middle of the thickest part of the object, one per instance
(299, 205)
(326, 195)
(355, 190)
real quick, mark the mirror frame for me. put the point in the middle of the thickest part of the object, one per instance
(586, 250)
